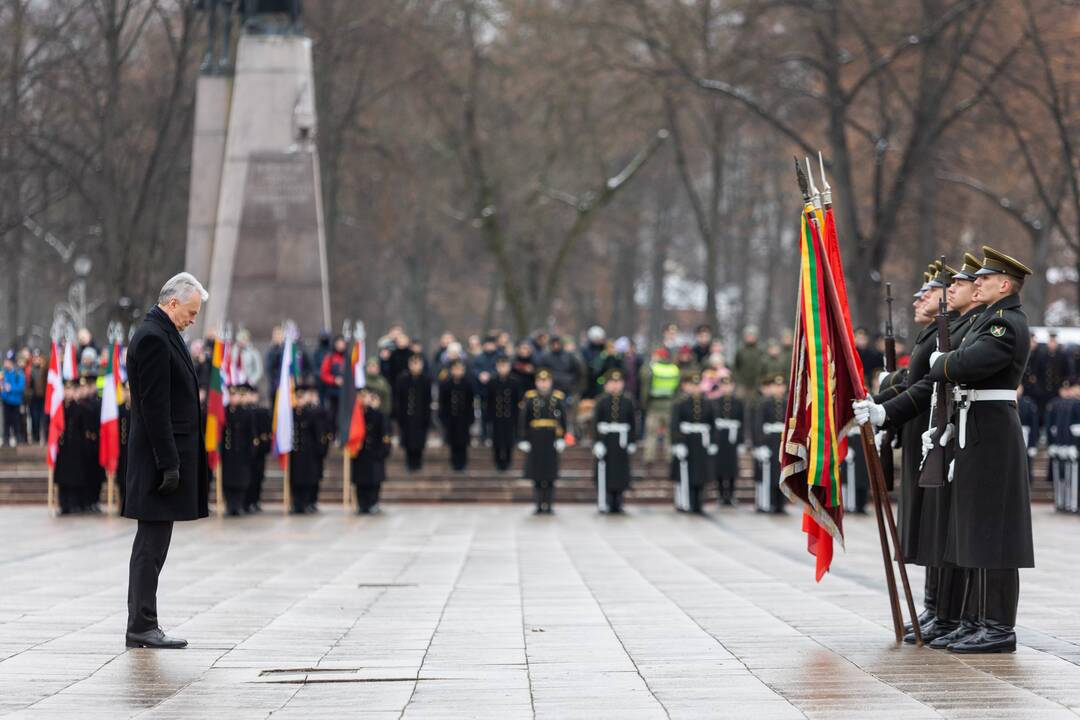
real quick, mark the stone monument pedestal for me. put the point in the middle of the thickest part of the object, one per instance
(263, 256)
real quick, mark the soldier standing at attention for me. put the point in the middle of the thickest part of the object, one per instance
(615, 428)
(542, 424)
(412, 408)
(504, 396)
(456, 414)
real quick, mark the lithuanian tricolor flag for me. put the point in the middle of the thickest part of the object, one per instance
(825, 378)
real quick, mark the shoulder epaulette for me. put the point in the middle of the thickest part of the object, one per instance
(558, 394)
(530, 393)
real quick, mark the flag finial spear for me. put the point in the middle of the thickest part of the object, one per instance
(814, 194)
(801, 178)
(826, 193)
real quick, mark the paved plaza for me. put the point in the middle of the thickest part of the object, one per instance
(461, 611)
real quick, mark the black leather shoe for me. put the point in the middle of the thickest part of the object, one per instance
(156, 639)
(932, 630)
(963, 631)
(992, 638)
(925, 618)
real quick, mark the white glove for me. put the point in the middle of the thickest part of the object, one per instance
(879, 438)
(882, 376)
(1072, 453)
(952, 466)
(525, 446)
(599, 450)
(680, 451)
(764, 453)
(946, 436)
(740, 448)
(560, 445)
(1032, 452)
(714, 449)
(1075, 430)
(934, 357)
(631, 448)
(928, 441)
(868, 411)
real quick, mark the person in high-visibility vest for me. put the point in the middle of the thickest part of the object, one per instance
(659, 386)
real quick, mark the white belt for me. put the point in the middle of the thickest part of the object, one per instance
(775, 428)
(965, 396)
(606, 428)
(732, 427)
(688, 428)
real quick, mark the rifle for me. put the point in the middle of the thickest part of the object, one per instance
(890, 367)
(935, 466)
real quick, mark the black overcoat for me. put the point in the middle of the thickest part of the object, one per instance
(692, 425)
(729, 434)
(615, 409)
(456, 411)
(542, 422)
(369, 465)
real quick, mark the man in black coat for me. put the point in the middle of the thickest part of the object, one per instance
(541, 427)
(692, 448)
(504, 395)
(412, 411)
(990, 528)
(456, 414)
(167, 475)
(730, 415)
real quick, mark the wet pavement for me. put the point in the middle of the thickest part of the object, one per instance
(461, 611)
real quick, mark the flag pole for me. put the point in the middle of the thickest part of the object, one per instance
(346, 481)
(882, 505)
(286, 491)
(110, 492)
(50, 491)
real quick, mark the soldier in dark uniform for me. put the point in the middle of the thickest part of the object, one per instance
(69, 471)
(94, 474)
(990, 528)
(1060, 417)
(504, 396)
(692, 448)
(856, 478)
(237, 449)
(541, 426)
(263, 420)
(311, 441)
(730, 431)
(412, 411)
(615, 427)
(905, 406)
(767, 428)
(1049, 364)
(1029, 424)
(369, 465)
(456, 414)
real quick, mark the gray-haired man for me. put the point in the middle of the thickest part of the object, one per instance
(167, 474)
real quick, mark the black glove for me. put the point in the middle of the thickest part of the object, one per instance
(170, 482)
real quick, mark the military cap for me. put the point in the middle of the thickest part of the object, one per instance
(614, 374)
(543, 374)
(969, 268)
(943, 277)
(926, 277)
(779, 380)
(998, 263)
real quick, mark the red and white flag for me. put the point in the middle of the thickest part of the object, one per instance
(54, 403)
(109, 437)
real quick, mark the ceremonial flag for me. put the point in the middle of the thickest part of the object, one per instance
(215, 408)
(54, 403)
(351, 419)
(109, 437)
(825, 378)
(227, 379)
(283, 405)
(71, 365)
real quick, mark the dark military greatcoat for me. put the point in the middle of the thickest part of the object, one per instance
(542, 422)
(729, 434)
(615, 425)
(692, 425)
(412, 409)
(456, 412)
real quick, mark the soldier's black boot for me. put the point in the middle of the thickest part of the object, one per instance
(1000, 591)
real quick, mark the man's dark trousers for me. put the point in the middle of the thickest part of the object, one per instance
(147, 558)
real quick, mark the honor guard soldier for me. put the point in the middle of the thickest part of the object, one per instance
(614, 423)
(264, 434)
(542, 425)
(1063, 433)
(456, 414)
(730, 416)
(369, 464)
(412, 408)
(237, 450)
(990, 528)
(1028, 410)
(767, 415)
(503, 397)
(692, 447)
(311, 440)
(905, 405)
